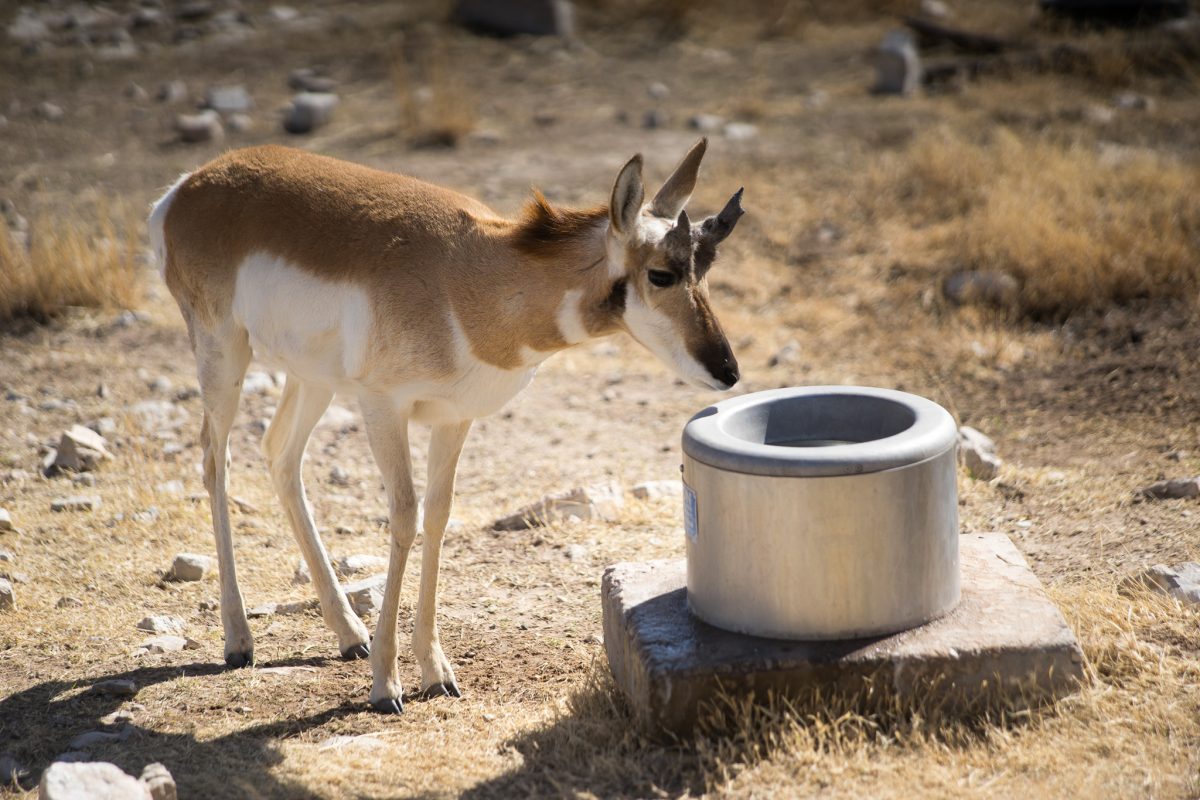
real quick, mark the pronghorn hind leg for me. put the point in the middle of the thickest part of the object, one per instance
(300, 408)
(387, 432)
(221, 360)
(445, 445)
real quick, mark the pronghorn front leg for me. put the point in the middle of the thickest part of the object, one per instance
(387, 432)
(437, 676)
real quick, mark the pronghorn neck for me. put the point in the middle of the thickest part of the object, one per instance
(555, 290)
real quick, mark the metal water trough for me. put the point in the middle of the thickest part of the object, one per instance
(819, 513)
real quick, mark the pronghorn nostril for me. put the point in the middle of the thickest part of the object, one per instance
(729, 372)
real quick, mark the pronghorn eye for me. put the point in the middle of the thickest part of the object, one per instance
(662, 278)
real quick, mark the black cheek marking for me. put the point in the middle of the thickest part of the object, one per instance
(615, 302)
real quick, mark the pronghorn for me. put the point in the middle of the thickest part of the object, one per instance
(426, 306)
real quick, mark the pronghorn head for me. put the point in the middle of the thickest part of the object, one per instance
(659, 260)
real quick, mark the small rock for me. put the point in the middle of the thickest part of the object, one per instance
(341, 419)
(366, 596)
(80, 449)
(512, 17)
(977, 453)
(161, 384)
(1181, 581)
(157, 415)
(211, 604)
(982, 287)
(296, 607)
(83, 502)
(11, 771)
(600, 501)
(1172, 489)
(174, 488)
(740, 131)
(88, 780)
(229, 99)
(789, 355)
(189, 567)
(172, 92)
(658, 90)
(84, 479)
(897, 64)
(301, 575)
(284, 13)
(161, 624)
(8, 598)
(136, 93)
(654, 490)
(28, 28)
(258, 383)
(1132, 101)
(6, 524)
(158, 782)
(309, 111)
(69, 602)
(90, 739)
(166, 644)
(202, 127)
(655, 118)
(706, 123)
(6, 556)
(935, 9)
(575, 552)
(117, 687)
(243, 506)
(339, 477)
(240, 123)
(307, 80)
(49, 111)
(265, 610)
(348, 566)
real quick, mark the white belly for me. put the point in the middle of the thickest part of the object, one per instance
(313, 328)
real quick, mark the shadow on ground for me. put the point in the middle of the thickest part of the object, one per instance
(38, 724)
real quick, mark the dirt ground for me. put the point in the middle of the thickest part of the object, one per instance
(1085, 408)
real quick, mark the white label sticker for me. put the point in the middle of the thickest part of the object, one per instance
(690, 525)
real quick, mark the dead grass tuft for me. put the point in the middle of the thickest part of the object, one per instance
(71, 262)
(437, 108)
(1081, 227)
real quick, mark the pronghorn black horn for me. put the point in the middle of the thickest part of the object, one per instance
(679, 238)
(716, 229)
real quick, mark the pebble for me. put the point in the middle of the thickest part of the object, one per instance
(1171, 489)
(6, 523)
(309, 111)
(202, 127)
(49, 111)
(172, 92)
(240, 123)
(6, 556)
(348, 566)
(189, 567)
(301, 575)
(161, 624)
(740, 131)
(654, 490)
(229, 99)
(8, 598)
(83, 502)
(655, 118)
(789, 355)
(600, 501)
(167, 644)
(575, 552)
(118, 687)
(977, 453)
(307, 80)
(706, 123)
(69, 602)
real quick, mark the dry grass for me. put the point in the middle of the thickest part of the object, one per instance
(71, 262)
(1081, 227)
(437, 108)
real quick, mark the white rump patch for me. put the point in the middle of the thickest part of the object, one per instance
(315, 328)
(158, 218)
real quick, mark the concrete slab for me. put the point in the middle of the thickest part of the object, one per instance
(1005, 640)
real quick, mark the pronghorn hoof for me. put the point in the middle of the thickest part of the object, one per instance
(389, 705)
(239, 660)
(355, 651)
(443, 690)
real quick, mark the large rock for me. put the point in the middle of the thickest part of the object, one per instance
(1181, 581)
(599, 501)
(189, 567)
(897, 64)
(1005, 643)
(309, 111)
(977, 453)
(80, 449)
(509, 17)
(89, 781)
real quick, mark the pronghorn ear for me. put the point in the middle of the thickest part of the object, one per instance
(675, 193)
(627, 196)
